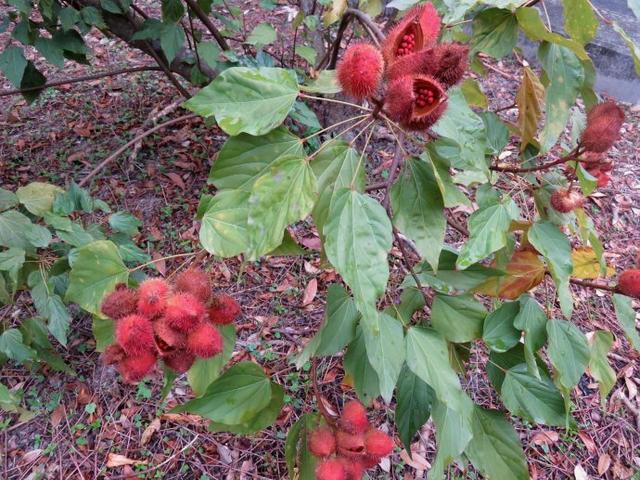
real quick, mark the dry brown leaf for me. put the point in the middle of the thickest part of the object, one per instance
(604, 462)
(416, 461)
(523, 272)
(545, 438)
(153, 427)
(588, 442)
(115, 460)
(182, 418)
(160, 263)
(32, 455)
(176, 179)
(56, 416)
(310, 292)
(580, 473)
(84, 394)
(621, 472)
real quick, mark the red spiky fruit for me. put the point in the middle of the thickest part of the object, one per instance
(184, 312)
(167, 338)
(152, 297)
(133, 368)
(603, 127)
(330, 469)
(452, 63)
(134, 333)
(179, 360)
(121, 302)
(350, 445)
(399, 99)
(378, 443)
(360, 70)
(603, 180)
(113, 354)
(322, 442)
(205, 341)
(195, 282)
(369, 461)
(224, 309)
(424, 62)
(354, 417)
(629, 283)
(418, 29)
(566, 200)
(416, 102)
(354, 469)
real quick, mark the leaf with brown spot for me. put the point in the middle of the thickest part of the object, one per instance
(523, 272)
(115, 460)
(529, 100)
(310, 292)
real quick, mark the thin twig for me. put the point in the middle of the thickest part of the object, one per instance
(316, 392)
(366, 21)
(144, 134)
(575, 153)
(594, 285)
(335, 47)
(206, 21)
(408, 266)
(165, 68)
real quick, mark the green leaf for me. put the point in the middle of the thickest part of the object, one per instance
(263, 34)
(16, 230)
(224, 224)
(245, 158)
(249, 100)
(414, 399)
(96, 271)
(8, 199)
(358, 238)
(124, 222)
(495, 32)
(580, 20)
(361, 372)
(473, 93)
(50, 306)
(172, 11)
(384, 340)
(206, 370)
(458, 319)
(418, 209)
(411, 300)
(599, 345)
(627, 319)
(92, 16)
(69, 16)
(566, 76)
(171, 40)
(499, 332)
(280, 197)
(453, 433)
(235, 397)
(568, 351)
(536, 400)
(533, 322)
(497, 132)
(9, 401)
(11, 260)
(13, 64)
(326, 82)
(103, 331)
(11, 345)
(50, 50)
(488, 229)
(631, 45)
(556, 249)
(209, 52)
(296, 451)
(261, 420)
(495, 448)
(308, 53)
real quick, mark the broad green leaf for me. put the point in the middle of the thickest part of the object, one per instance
(206, 370)
(9, 401)
(50, 306)
(627, 319)
(599, 345)
(172, 10)
(209, 52)
(361, 373)
(308, 53)
(411, 300)
(384, 341)
(358, 238)
(488, 229)
(529, 100)
(533, 322)
(495, 447)
(495, 32)
(335, 168)
(16, 230)
(326, 82)
(103, 331)
(11, 260)
(631, 45)
(499, 332)
(296, 452)
(500, 362)
(8, 199)
(249, 100)
(535, 400)
(334, 13)
(473, 93)
(235, 397)
(261, 420)
(413, 405)
(568, 351)
(556, 249)
(13, 64)
(289, 247)
(580, 20)
(497, 132)
(418, 209)
(280, 197)
(124, 222)
(11, 345)
(453, 433)
(224, 225)
(432, 154)
(96, 271)
(566, 76)
(458, 319)
(50, 50)
(245, 158)
(171, 40)
(263, 34)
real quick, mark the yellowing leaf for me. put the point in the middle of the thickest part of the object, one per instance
(529, 101)
(335, 13)
(523, 272)
(586, 264)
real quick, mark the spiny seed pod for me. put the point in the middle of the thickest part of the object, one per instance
(603, 180)
(565, 200)
(168, 338)
(416, 102)
(629, 283)
(378, 443)
(322, 442)
(353, 469)
(603, 127)
(399, 99)
(354, 417)
(369, 461)
(152, 297)
(452, 63)
(360, 70)
(205, 341)
(424, 62)
(350, 445)
(134, 333)
(113, 354)
(184, 312)
(330, 469)
(179, 360)
(134, 368)
(121, 302)
(224, 309)
(195, 282)
(418, 29)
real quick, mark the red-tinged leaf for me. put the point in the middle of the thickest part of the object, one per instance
(545, 438)
(115, 460)
(523, 272)
(588, 442)
(310, 292)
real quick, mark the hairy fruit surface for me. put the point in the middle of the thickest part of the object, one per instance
(378, 443)
(354, 417)
(565, 201)
(113, 354)
(205, 341)
(184, 312)
(133, 368)
(134, 333)
(121, 302)
(195, 282)
(353, 469)
(418, 29)
(168, 338)
(452, 63)
(603, 127)
(330, 469)
(360, 70)
(152, 297)
(179, 360)
(350, 445)
(224, 309)
(416, 102)
(322, 442)
(629, 283)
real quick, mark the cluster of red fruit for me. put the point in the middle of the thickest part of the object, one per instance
(602, 131)
(629, 283)
(349, 448)
(416, 69)
(176, 323)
